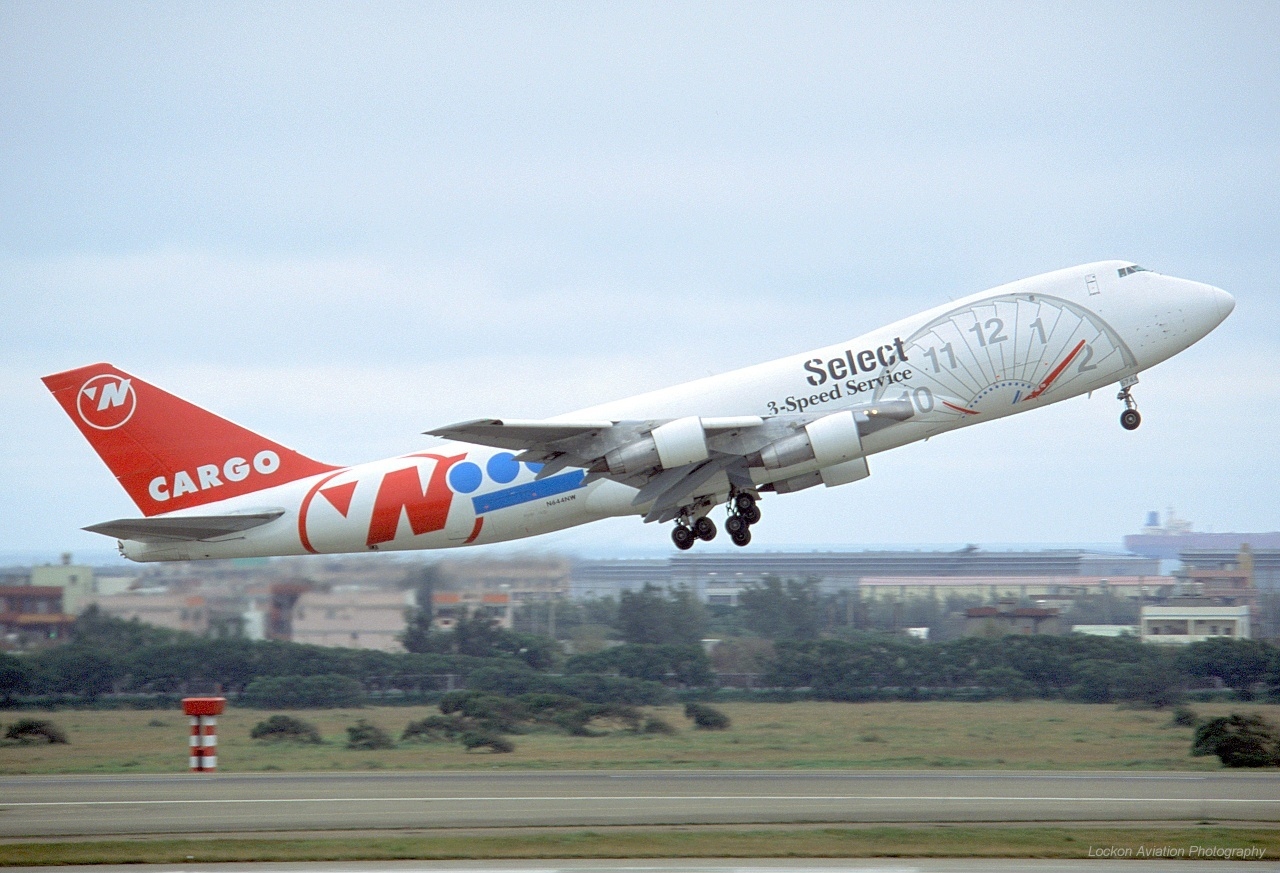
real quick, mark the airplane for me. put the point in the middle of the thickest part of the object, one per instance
(208, 488)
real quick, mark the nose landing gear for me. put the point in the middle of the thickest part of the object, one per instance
(1129, 419)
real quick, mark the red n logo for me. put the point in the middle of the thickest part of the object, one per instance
(401, 490)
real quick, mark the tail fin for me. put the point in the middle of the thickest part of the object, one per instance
(167, 453)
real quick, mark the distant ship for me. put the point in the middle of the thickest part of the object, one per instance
(1175, 536)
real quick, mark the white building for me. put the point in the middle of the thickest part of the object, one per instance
(1193, 624)
(1106, 630)
(358, 618)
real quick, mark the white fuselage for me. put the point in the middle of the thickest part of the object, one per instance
(1011, 349)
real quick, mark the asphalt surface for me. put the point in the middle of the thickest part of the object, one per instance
(884, 865)
(197, 804)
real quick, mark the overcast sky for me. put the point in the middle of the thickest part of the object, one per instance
(341, 224)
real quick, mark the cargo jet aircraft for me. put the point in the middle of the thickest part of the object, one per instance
(208, 488)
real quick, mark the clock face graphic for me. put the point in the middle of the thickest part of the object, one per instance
(989, 357)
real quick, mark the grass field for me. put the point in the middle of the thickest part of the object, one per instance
(827, 842)
(1034, 735)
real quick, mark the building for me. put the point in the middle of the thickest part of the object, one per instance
(1062, 588)
(31, 616)
(450, 607)
(1255, 567)
(1192, 623)
(76, 582)
(180, 612)
(590, 580)
(838, 571)
(1106, 630)
(1009, 618)
(353, 618)
(523, 579)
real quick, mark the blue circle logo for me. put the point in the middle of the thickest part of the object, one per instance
(503, 468)
(465, 477)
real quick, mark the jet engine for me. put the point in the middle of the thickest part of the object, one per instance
(674, 444)
(830, 440)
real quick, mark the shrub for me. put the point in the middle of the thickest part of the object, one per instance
(655, 725)
(706, 718)
(487, 739)
(1184, 716)
(363, 735)
(29, 729)
(285, 728)
(1239, 741)
(433, 728)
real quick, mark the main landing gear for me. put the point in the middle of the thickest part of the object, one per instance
(743, 513)
(686, 533)
(1129, 419)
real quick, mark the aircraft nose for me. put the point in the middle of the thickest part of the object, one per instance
(1224, 303)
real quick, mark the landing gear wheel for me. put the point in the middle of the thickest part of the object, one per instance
(683, 537)
(1129, 419)
(704, 529)
(752, 515)
(742, 537)
(744, 502)
(735, 524)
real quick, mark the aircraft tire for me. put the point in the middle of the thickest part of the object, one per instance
(683, 537)
(752, 515)
(704, 529)
(744, 502)
(1130, 419)
(742, 537)
(735, 525)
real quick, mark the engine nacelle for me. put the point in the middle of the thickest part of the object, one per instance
(832, 439)
(673, 444)
(795, 483)
(836, 474)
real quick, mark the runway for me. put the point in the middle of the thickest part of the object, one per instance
(236, 803)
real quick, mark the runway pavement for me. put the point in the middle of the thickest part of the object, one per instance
(196, 804)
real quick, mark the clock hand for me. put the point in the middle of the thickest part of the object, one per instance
(1057, 371)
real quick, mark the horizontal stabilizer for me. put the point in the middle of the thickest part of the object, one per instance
(187, 528)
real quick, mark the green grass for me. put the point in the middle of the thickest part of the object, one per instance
(827, 842)
(806, 735)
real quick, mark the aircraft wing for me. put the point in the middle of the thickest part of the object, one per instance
(667, 460)
(188, 528)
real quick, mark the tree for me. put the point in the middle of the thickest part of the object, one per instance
(1239, 664)
(481, 637)
(76, 669)
(15, 677)
(1239, 741)
(303, 692)
(656, 617)
(780, 610)
(95, 629)
(688, 665)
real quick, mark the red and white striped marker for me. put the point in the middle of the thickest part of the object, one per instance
(204, 712)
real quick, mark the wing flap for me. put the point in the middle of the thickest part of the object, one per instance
(517, 434)
(188, 528)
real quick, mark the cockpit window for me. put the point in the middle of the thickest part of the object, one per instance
(1133, 268)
